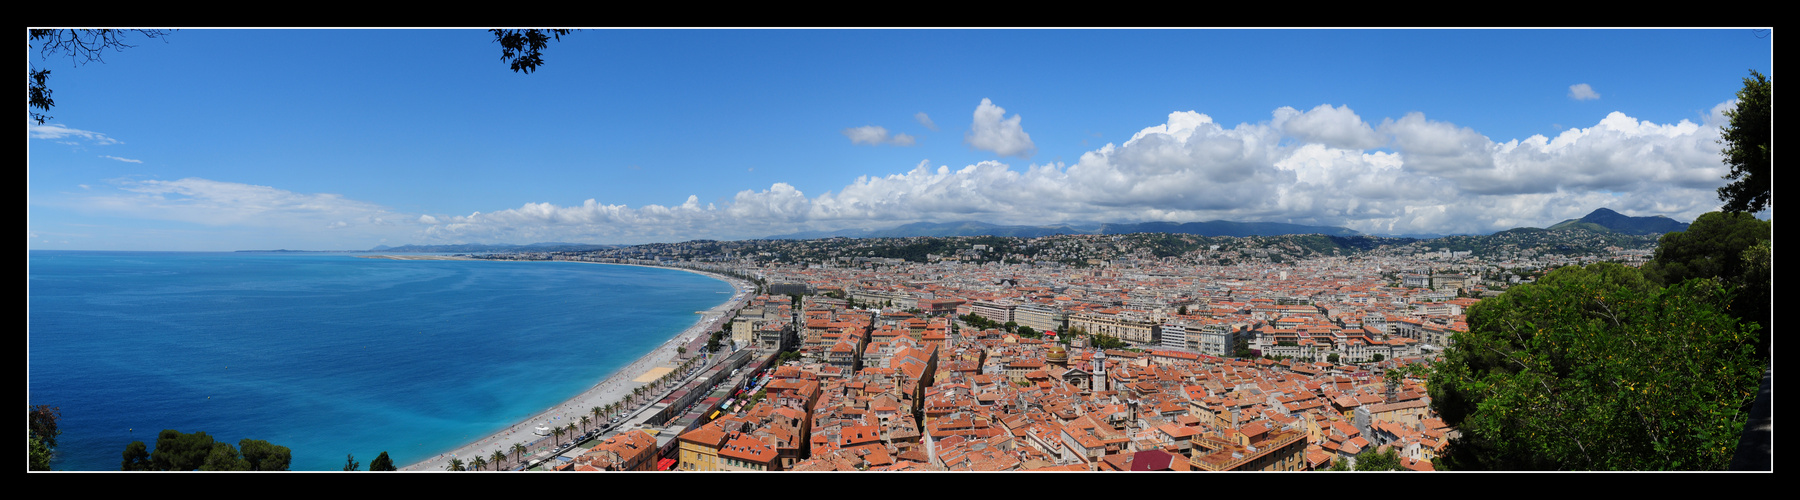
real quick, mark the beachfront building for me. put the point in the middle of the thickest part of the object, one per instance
(700, 447)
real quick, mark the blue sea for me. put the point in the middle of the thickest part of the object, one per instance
(329, 354)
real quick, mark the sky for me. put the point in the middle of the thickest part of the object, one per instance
(326, 139)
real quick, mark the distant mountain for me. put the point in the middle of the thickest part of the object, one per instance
(481, 247)
(1604, 219)
(973, 228)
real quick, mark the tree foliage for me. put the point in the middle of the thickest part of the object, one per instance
(1732, 247)
(40, 435)
(135, 458)
(263, 456)
(1385, 459)
(224, 457)
(1598, 369)
(382, 463)
(1712, 247)
(350, 463)
(177, 451)
(523, 49)
(82, 47)
(1747, 148)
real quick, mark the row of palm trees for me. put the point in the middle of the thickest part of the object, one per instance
(638, 397)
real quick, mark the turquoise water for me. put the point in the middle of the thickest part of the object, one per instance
(329, 354)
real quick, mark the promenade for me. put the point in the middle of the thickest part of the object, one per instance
(616, 388)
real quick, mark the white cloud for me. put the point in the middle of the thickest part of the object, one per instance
(217, 203)
(868, 134)
(59, 131)
(127, 160)
(925, 120)
(1336, 127)
(1310, 168)
(992, 131)
(1582, 92)
(874, 135)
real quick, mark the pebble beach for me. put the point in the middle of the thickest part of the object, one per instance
(617, 387)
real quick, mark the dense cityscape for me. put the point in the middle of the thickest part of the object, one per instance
(1080, 352)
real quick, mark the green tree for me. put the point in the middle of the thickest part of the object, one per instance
(1713, 246)
(350, 463)
(224, 457)
(1747, 147)
(1733, 247)
(382, 463)
(1384, 459)
(1597, 368)
(456, 464)
(41, 432)
(263, 456)
(478, 463)
(178, 451)
(136, 457)
(37, 454)
(499, 457)
(1331, 358)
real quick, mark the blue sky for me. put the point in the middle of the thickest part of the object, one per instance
(347, 139)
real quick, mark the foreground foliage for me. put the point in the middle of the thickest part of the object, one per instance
(178, 451)
(1598, 368)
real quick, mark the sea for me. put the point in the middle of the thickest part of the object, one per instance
(329, 354)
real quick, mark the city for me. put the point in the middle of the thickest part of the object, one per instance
(1078, 352)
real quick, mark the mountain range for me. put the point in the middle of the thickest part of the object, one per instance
(1603, 219)
(973, 228)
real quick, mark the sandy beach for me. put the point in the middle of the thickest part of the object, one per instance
(616, 387)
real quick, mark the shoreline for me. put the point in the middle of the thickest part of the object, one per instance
(615, 387)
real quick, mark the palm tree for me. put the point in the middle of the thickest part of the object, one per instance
(456, 464)
(558, 432)
(499, 456)
(519, 453)
(596, 413)
(584, 421)
(479, 462)
(571, 431)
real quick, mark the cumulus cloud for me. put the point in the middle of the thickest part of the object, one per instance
(992, 131)
(925, 120)
(1337, 127)
(59, 131)
(1582, 92)
(1313, 167)
(1310, 168)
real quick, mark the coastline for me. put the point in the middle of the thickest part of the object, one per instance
(616, 387)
